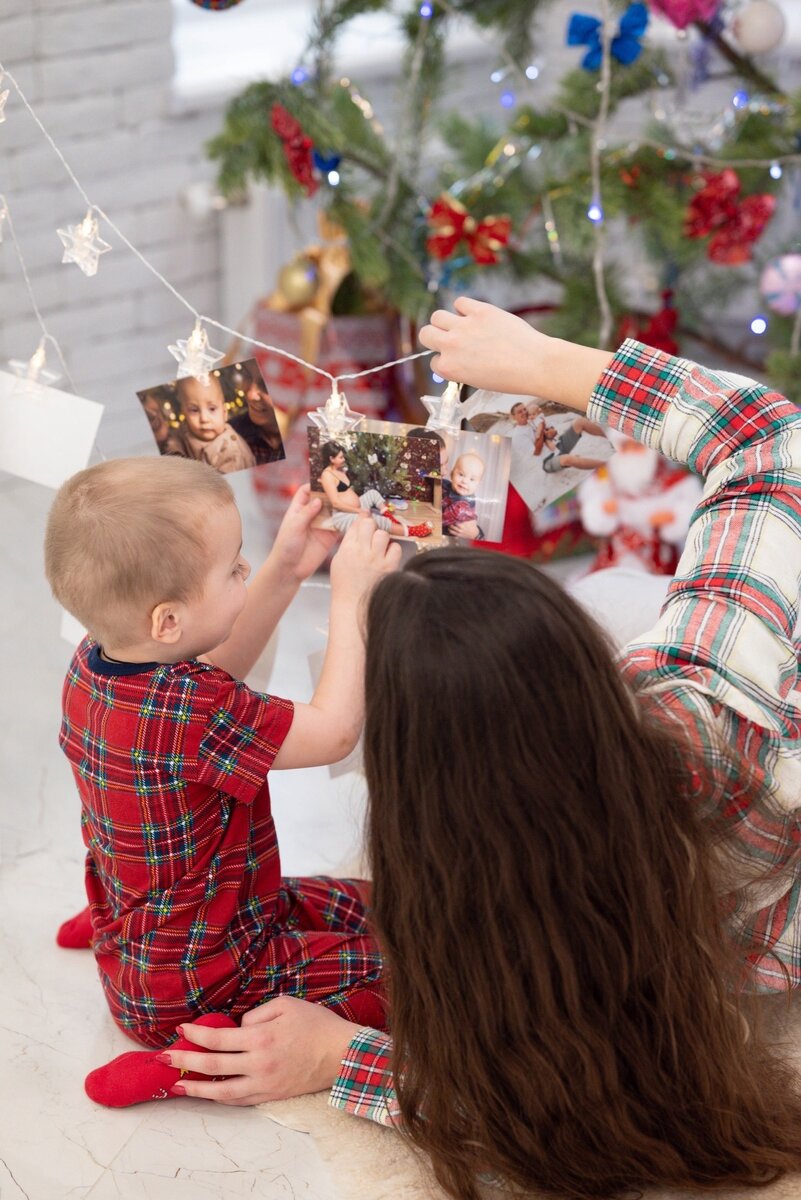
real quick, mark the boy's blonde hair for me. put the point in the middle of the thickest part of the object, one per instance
(126, 535)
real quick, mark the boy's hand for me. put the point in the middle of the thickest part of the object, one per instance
(365, 554)
(298, 549)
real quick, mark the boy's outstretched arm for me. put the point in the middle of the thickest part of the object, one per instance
(484, 346)
(298, 550)
(328, 728)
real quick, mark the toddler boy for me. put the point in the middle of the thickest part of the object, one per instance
(458, 495)
(171, 752)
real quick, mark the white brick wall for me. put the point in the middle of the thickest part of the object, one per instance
(99, 73)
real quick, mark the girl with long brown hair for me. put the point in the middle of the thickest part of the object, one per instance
(585, 870)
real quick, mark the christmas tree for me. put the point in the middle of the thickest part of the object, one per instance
(550, 190)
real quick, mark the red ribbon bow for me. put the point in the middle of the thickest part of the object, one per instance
(297, 147)
(735, 224)
(451, 223)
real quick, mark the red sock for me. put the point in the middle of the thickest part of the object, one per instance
(425, 529)
(135, 1077)
(76, 934)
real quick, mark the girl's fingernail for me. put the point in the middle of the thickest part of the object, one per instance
(165, 1059)
(177, 1089)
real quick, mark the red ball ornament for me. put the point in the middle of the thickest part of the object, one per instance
(682, 13)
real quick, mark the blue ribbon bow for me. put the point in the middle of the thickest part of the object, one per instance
(326, 163)
(586, 31)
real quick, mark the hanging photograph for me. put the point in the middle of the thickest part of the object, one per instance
(228, 422)
(552, 447)
(391, 476)
(28, 408)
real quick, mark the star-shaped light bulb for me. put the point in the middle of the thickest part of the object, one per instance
(32, 370)
(444, 410)
(83, 244)
(336, 416)
(194, 354)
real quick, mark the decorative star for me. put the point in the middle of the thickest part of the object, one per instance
(444, 409)
(83, 244)
(3, 97)
(194, 354)
(32, 370)
(336, 416)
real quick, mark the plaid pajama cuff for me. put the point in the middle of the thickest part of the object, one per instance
(364, 1087)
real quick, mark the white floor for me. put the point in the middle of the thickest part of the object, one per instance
(54, 1027)
(53, 1023)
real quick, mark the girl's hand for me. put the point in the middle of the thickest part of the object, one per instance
(486, 347)
(298, 549)
(284, 1048)
(365, 554)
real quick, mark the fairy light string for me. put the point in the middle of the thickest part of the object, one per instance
(199, 317)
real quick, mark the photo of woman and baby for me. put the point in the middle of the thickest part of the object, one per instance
(228, 421)
(394, 478)
(391, 470)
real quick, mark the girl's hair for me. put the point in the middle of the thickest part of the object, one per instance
(567, 1011)
(330, 450)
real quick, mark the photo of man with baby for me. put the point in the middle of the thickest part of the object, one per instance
(551, 447)
(394, 478)
(228, 421)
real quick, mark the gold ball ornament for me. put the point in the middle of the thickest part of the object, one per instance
(759, 27)
(298, 281)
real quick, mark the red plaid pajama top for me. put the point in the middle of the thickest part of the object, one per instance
(189, 910)
(723, 658)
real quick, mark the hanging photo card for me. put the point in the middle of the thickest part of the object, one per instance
(552, 447)
(392, 476)
(228, 422)
(47, 435)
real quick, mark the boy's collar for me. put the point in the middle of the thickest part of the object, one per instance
(104, 666)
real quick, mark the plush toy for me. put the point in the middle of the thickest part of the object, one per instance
(640, 505)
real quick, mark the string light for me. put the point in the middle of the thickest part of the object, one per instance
(426, 10)
(595, 213)
(532, 71)
(776, 171)
(740, 99)
(499, 74)
(33, 370)
(333, 178)
(299, 76)
(759, 325)
(508, 99)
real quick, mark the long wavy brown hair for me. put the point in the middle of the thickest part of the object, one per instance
(566, 1007)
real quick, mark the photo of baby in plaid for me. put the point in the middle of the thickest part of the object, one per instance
(188, 913)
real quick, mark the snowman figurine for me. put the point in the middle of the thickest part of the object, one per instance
(640, 505)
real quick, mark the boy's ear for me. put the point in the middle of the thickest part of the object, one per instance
(166, 624)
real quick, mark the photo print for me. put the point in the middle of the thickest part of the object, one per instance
(27, 408)
(552, 447)
(392, 476)
(229, 422)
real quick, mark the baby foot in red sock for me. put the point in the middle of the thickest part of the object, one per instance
(138, 1076)
(423, 530)
(76, 934)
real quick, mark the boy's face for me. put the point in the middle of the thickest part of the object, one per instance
(519, 413)
(210, 617)
(203, 405)
(467, 474)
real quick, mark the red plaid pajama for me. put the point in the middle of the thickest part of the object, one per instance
(183, 875)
